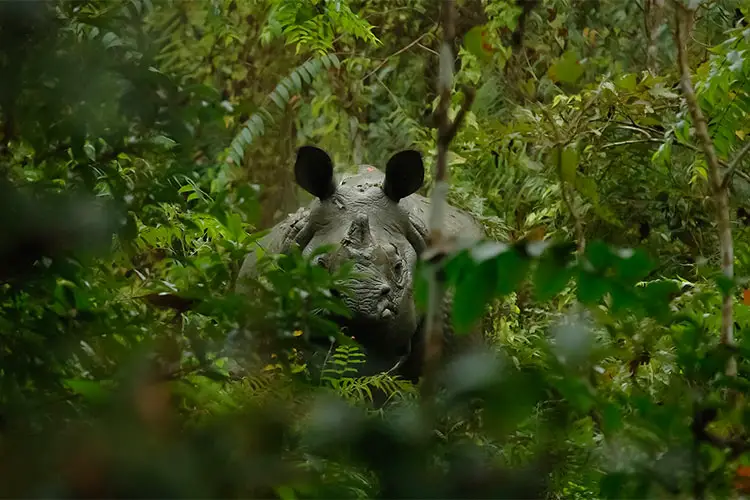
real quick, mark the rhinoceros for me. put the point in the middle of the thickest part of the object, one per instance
(377, 222)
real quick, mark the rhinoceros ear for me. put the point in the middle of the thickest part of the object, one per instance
(404, 174)
(313, 171)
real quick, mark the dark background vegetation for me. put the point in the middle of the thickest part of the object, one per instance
(144, 145)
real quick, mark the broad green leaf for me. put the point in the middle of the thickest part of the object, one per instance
(567, 69)
(599, 255)
(569, 164)
(591, 287)
(512, 268)
(89, 389)
(633, 265)
(475, 41)
(612, 420)
(628, 82)
(472, 295)
(725, 285)
(551, 276)
(658, 294)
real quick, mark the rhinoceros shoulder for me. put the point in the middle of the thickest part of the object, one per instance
(276, 241)
(458, 223)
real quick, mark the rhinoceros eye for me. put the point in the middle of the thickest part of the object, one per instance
(321, 260)
(398, 262)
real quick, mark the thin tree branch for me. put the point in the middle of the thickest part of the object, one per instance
(427, 49)
(684, 18)
(435, 249)
(632, 141)
(450, 133)
(400, 51)
(736, 162)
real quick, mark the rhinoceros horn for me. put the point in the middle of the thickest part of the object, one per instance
(359, 235)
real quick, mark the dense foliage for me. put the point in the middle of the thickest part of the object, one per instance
(145, 145)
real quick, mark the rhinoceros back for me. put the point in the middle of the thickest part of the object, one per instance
(457, 223)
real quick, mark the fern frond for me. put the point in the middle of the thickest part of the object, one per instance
(313, 27)
(340, 374)
(341, 363)
(255, 126)
(361, 389)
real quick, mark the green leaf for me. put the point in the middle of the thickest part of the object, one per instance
(658, 294)
(276, 98)
(472, 295)
(296, 79)
(89, 150)
(164, 141)
(599, 255)
(214, 374)
(550, 276)
(625, 300)
(476, 44)
(512, 268)
(633, 266)
(591, 287)
(569, 164)
(627, 82)
(567, 69)
(457, 265)
(335, 60)
(726, 285)
(282, 90)
(90, 390)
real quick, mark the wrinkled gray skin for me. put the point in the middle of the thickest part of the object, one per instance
(378, 222)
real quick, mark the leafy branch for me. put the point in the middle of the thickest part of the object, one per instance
(684, 21)
(255, 126)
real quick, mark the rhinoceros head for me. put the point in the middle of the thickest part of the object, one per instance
(361, 215)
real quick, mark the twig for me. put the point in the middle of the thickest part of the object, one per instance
(427, 49)
(636, 129)
(684, 17)
(736, 162)
(632, 141)
(400, 51)
(580, 236)
(742, 174)
(446, 132)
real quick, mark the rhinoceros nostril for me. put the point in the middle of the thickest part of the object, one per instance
(384, 290)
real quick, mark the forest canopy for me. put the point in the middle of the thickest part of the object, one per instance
(147, 146)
